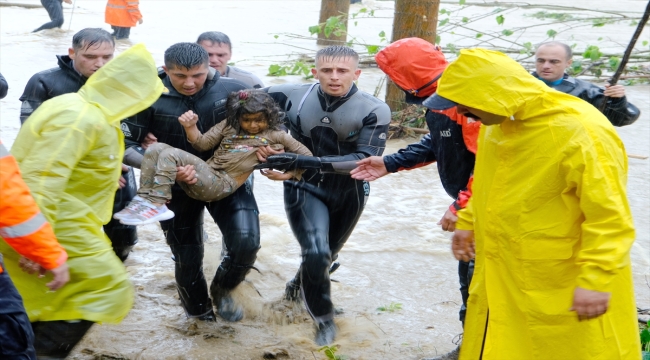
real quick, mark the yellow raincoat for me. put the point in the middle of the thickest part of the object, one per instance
(70, 152)
(549, 213)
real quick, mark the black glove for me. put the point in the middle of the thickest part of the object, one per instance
(290, 161)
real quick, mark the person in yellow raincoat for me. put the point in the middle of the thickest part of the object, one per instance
(550, 219)
(70, 154)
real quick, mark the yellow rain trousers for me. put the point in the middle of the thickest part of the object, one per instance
(550, 213)
(70, 152)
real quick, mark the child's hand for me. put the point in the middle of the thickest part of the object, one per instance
(188, 119)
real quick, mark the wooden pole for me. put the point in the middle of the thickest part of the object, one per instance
(329, 8)
(413, 18)
(628, 52)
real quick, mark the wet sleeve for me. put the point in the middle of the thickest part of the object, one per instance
(56, 152)
(413, 156)
(463, 197)
(292, 145)
(34, 95)
(22, 224)
(4, 87)
(597, 169)
(210, 139)
(618, 111)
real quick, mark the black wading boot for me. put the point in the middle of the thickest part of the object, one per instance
(325, 333)
(226, 306)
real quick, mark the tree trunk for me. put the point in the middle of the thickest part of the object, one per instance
(329, 8)
(413, 18)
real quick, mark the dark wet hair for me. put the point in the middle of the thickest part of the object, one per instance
(186, 55)
(567, 48)
(215, 37)
(88, 37)
(337, 52)
(252, 101)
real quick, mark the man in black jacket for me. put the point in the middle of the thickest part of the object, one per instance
(193, 85)
(91, 49)
(553, 58)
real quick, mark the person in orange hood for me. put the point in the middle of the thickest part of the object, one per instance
(122, 15)
(24, 228)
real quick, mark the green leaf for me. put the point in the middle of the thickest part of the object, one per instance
(479, 35)
(443, 11)
(363, 10)
(355, 23)
(551, 33)
(614, 61)
(500, 19)
(465, 19)
(437, 39)
(372, 49)
(598, 23)
(327, 31)
(645, 42)
(276, 70)
(645, 336)
(371, 13)
(576, 67)
(633, 23)
(600, 38)
(382, 34)
(528, 46)
(276, 36)
(592, 52)
(461, 2)
(314, 29)
(443, 22)
(507, 32)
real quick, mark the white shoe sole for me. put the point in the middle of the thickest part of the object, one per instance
(162, 217)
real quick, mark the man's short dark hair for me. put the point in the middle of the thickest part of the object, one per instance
(567, 48)
(186, 55)
(88, 37)
(215, 37)
(337, 52)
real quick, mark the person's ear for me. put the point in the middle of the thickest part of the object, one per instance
(165, 69)
(314, 71)
(71, 53)
(568, 63)
(357, 72)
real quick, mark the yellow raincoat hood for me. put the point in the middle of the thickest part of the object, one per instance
(549, 212)
(70, 152)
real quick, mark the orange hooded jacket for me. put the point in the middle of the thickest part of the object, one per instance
(122, 13)
(22, 225)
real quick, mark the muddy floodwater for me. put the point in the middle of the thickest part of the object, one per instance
(396, 260)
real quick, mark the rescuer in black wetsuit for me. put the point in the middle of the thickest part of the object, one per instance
(91, 49)
(193, 85)
(54, 10)
(340, 125)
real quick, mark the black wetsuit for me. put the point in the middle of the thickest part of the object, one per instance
(236, 215)
(323, 208)
(445, 145)
(55, 11)
(65, 79)
(618, 111)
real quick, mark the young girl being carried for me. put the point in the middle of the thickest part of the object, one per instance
(253, 121)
